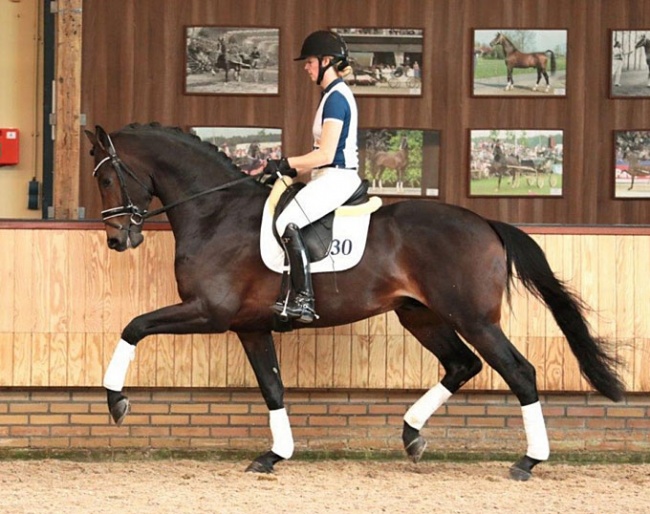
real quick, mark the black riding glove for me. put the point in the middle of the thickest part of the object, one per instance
(281, 166)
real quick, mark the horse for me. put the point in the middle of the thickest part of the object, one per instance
(504, 165)
(396, 160)
(635, 168)
(224, 61)
(645, 44)
(253, 162)
(516, 59)
(443, 269)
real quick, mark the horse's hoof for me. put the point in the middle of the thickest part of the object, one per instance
(522, 469)
(259, 467)
(415, 449)
(518, 474)
(120, 409)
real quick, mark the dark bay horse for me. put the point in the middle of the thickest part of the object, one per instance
(516, 59)
(443, 269)
(644, 43)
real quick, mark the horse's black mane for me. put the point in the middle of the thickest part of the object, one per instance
(179, 133)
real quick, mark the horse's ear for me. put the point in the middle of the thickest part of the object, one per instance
(103, 141)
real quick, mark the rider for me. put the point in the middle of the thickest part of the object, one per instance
(332, 164)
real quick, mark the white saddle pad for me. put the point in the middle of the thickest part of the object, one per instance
(350, 232)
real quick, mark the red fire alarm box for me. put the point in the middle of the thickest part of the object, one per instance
(9, 139)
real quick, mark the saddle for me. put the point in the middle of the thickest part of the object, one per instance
(317, 235)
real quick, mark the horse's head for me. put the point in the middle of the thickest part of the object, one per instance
(498, 39)
(125, 192)
(640, 42)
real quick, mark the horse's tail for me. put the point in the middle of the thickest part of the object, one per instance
(535, 273)
(553, 63)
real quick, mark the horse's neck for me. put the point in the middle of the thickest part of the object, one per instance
(508, 46)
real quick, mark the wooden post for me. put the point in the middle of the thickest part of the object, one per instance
(68, 106)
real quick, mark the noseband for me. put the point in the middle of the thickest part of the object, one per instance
(137, 216)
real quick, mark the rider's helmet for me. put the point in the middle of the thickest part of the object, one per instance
(325, 43)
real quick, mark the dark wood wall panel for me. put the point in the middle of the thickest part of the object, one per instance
(133, 70)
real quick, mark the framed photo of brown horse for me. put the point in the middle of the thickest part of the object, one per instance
(519, 62)
(400, 162)
(231, 60)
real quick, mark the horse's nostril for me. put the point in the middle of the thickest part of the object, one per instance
(113, 243)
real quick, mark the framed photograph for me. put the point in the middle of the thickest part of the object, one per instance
(231, 60)
(630, 59)
(400, 162)
(248, 147)
(516, 162)
(384, 61)
(519, 62)
(632, 164)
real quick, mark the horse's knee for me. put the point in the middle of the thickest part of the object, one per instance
(458, 373)
(135, 330)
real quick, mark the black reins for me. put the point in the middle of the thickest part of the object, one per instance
(137, 215)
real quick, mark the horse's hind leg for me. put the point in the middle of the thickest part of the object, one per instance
(457, 359)
(261, 354)
(519, 374)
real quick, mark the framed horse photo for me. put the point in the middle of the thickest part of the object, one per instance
(231, 60)
(400, 162)
(526, 163)
(630, 64)
(248, 147)
(632, 164)
(384, 61)
(519, 62)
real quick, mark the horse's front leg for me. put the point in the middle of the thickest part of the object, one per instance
(182, 318)
(260, 351)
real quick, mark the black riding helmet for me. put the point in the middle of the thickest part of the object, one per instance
(324, 43)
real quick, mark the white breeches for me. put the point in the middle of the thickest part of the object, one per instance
(327, 190)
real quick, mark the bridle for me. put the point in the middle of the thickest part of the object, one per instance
(137, 216)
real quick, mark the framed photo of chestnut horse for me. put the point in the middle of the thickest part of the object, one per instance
(519, 62)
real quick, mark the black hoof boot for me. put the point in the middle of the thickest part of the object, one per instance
(521, 470)
(264, 463)
(414, 443)
(118, 405)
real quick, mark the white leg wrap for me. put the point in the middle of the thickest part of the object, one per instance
(281, 432)
(119, 365)
(422, 410)
(538, 447)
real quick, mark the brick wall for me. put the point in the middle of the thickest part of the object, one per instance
(323, 421)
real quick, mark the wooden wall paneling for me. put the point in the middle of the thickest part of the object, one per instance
(395, 352)
(237, 362)
(554, 250)
(25, 304)
(360, 354)
(342, 360)
(182, 360)
(200, 360)
(22, 359)
(6, 358)
(572, 265)
(289, 356)
(146, 357)
(641, 271)
(62, 357)
(7, 279)
(377, 351)
(306, 358)
(219, 364)
(324, 343)
(165, 361)
(40, 365)
(624, 309)
(606, 276)
(413, 367)
(93, 359)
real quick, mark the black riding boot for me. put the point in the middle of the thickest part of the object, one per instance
(300, 305)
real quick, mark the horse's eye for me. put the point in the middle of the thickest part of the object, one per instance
(106, 182)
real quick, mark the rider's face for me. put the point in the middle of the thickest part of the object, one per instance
(311, 67)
